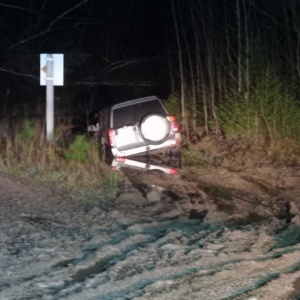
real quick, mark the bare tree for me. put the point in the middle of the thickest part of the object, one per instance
(181, 70)
(50, 26)
(88, 106)
(295, 8)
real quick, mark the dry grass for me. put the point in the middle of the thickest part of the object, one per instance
(73, 165)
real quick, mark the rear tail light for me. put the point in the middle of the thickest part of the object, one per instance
(111, 136)
(173, 171)
(172, 120)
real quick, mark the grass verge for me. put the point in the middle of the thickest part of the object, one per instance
(74, 166)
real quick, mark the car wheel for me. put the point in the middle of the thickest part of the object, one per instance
(103, 152)
(175, 157)
(154, 128)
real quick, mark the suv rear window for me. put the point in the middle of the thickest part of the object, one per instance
(128, 115)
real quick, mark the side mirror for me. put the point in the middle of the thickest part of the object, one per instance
(93, 128)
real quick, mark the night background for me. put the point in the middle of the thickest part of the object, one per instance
(196, 52)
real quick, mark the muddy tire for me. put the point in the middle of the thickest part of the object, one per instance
(105, 153)
(175, 157)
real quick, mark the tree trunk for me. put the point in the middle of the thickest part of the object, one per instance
(182, 80)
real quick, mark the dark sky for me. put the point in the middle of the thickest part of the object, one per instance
(120, 49)
(91, 25)
(117, 46)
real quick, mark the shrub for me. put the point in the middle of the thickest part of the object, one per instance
(27, 131)
(270, 114)
(78, 150)
(173, 105)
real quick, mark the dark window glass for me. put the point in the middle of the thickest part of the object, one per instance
(132, 114)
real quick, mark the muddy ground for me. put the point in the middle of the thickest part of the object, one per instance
(228, 229)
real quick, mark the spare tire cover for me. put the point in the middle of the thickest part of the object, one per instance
(155, 128)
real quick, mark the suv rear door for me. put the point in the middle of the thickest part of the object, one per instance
(127, 118)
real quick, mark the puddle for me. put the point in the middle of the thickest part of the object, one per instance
(295, 295)
(288, 237)
(251, 218)
(97, 268)
(224, 207)
(64, 263)
(215, 192)
(146, 165)
(264, 187)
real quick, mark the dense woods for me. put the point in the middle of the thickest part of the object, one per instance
(230, 66)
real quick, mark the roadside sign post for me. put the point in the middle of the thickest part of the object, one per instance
(51, 74)
(49, 99)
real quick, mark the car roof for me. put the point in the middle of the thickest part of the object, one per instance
(134, 101)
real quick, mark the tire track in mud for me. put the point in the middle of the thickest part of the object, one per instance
(175, 259)
(174, 268)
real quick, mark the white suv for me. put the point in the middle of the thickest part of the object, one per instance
(137, 126)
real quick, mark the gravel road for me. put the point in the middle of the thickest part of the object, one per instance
(212, 234)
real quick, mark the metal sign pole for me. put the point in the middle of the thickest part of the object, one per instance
(49, 98)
